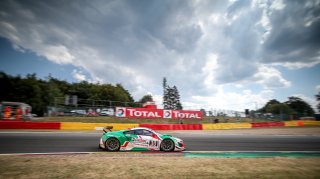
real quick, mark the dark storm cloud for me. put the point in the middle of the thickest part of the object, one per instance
(168, 21)
(239, 60)
(295, 33)
(238, 6)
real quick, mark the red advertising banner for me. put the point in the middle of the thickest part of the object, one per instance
(182, 114)
(157, 113)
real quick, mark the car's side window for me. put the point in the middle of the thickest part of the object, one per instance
(138, 132)
(147, 133)
(129, 132)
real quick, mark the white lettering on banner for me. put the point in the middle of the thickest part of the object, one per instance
(185, 115)
(130, 111)
(134, 113)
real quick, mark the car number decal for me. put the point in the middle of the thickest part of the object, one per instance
(153, 143)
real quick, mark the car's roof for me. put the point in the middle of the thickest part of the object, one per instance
(135, 128)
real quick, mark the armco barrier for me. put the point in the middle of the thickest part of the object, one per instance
(173, 126)
(29, 125)
(94, 126)
(226, 126)
(267, 124)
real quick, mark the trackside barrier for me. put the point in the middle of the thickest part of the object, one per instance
(226, 126)
(173, 126)
(293, 123)
(267, 124)
(11, 125)
(29, 125)
(94, 126)
(118, 126)
(311, 123)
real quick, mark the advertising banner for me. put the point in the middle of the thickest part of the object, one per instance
(157, 113)
(186, 114)
(139, 112)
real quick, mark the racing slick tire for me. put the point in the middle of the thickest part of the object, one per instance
(167, 145)
(112, 144)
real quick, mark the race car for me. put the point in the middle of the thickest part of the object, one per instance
(139, 139)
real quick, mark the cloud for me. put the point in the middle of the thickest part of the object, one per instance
(78, 75)
(294, 40)
(270, 78)
(198, 45)
(245, 99)
(318, 88)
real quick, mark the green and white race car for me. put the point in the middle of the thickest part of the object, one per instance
(138, 139)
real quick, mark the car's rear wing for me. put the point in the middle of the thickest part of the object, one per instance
(107, 129)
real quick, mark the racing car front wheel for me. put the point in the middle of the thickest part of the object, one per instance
(112, 144)
(167, 145)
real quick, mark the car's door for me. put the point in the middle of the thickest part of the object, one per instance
(143, 139)
(129, 135)
(139, 140)
(152, 139)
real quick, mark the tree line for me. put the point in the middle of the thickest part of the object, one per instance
(42, 93)
(294, 105)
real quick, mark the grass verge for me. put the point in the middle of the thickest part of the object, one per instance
(131, 165)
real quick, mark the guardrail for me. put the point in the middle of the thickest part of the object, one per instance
(121, 126)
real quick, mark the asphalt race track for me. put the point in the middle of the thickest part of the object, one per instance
(47, 142)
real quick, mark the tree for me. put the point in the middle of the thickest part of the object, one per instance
(176, 100)
(145, 98)
(171, 97)
(203, 111)
(165, 93)
(318, 99)
(299, 106)
(268, 105)
(53, 90)
(279, 109)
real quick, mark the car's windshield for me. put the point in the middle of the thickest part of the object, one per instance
(156, 132)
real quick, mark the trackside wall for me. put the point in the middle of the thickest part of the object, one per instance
(119, 126)
(94, 126)
(226, 126)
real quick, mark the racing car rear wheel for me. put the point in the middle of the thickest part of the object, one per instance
(112, 144)
(167, 145)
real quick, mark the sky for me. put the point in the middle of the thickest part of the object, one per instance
(231, 55)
